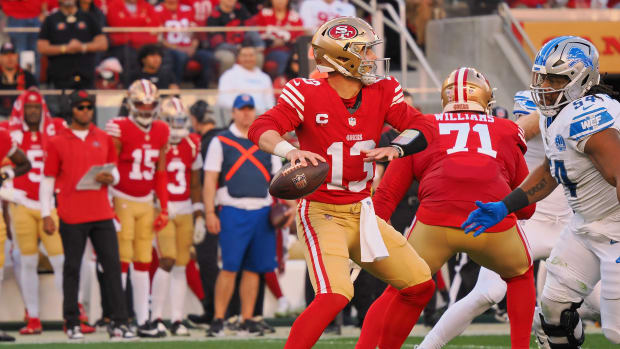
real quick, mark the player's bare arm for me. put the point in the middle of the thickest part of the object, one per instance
(538, 184)
(529, 124)
(195, 191)
(603, 149)
(208, 194)
(271, 142)
(22, 164)
(117, 145)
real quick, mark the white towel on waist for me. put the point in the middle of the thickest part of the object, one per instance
(371, 242)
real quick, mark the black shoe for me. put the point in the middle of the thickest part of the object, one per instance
(216, 329)
(102, 323)
(4, 337)
(178, 329)
(333, 329)
(120, 332)
(148, 330)
(162, 329)
(250, 328)
(198, 321)
(267, 328)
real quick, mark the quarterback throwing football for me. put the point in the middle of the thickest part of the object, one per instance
(339, 120)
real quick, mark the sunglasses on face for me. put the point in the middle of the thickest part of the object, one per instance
(82, 107)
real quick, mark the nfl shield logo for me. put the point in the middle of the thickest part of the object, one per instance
(352, 121)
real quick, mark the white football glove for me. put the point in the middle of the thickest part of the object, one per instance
(200, 230)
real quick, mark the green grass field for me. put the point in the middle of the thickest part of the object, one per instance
(593, 341)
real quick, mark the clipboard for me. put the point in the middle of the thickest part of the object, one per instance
(88, 182)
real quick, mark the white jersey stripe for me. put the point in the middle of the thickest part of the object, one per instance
(398, 101)
(284, 98)
(313, 249)
(459, 85)
(398, 88)
(295, 91)
(397, 97)
(290, 95)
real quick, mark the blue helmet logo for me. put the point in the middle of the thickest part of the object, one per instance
(547, 49)
(577, 55)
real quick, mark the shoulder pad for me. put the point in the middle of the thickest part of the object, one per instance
(195, 138)
(587, 119)
(524, 104)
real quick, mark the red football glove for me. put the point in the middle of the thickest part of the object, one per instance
(161, 221)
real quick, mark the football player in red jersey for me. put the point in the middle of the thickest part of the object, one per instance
(141, 143)
(183, 164)
(473, 155)
(8, 148)
(31, 125)
(340, 119)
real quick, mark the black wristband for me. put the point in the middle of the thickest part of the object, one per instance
(516, 200)
(410, 141)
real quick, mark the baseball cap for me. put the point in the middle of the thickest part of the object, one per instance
(243, 100)
(7, 47)
(78, 96)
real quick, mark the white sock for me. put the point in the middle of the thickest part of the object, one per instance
(1, 278)
(124, 281)
(489, 289)
(140, 287)
(16, 257)
(178, 289)
(30, 284)
(57, 263)
(159, 293)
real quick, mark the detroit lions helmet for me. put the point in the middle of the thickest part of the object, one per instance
(569, 58)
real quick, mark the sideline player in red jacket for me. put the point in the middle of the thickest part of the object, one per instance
(474, 156)
(141, 143)
(340, 118)
(183, 165)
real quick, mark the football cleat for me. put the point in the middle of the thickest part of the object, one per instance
(32, 327)
(75, 333)
(267, 328)
(216, 329)
(5, 337)
(198, 321)
(250, 328)
(120, 332)
(148, 330)
(162, 330)
(178, 329)
(284, 307)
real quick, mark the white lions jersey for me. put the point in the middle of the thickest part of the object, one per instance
(555, 205)
(589, 195)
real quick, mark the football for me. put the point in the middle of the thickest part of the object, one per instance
(294, 182)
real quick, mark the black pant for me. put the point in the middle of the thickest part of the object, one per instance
(206, 256)
(103, 237)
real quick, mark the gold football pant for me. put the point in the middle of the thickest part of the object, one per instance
(2, 240)
(331, 235)
(174, 241)
(507, 253)
(135, 239)
(28, 225)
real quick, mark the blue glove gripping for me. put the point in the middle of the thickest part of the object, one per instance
(487, 215)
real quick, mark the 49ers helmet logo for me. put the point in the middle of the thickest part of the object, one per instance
(342, 32)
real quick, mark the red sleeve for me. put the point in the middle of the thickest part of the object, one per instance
(284, 117)
(402, 116)
(51, 164)
(6, 143)
(393, 187)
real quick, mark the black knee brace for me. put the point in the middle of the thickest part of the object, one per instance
(569, 319)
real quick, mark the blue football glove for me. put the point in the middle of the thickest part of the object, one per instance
(487, 215)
